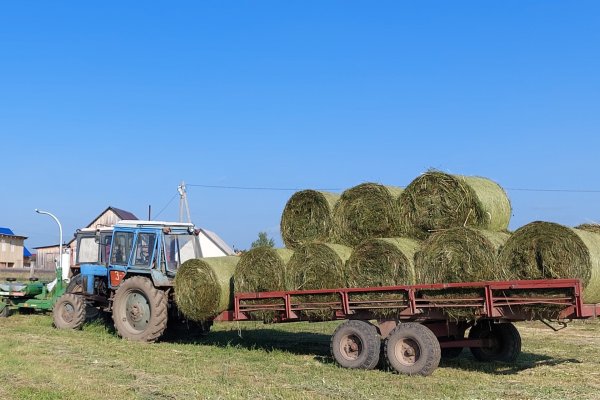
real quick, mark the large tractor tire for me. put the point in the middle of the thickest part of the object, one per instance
(140, 310)
(69, 312)
(356, 344)
(76, 286)
(412, 349)
(506, 338)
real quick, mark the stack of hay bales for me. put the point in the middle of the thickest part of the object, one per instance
(440, 228)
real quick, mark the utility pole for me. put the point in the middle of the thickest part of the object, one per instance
(183, 202)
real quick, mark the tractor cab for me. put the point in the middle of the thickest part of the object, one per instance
(93, 247)
(152, 248)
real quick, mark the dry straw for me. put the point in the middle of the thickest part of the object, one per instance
(203, 287)
(318, 266)
(261, 269)
(308, 216)
(436, 200)
(460, 255)
(589, 227)
(545, 250)
(382, 262)
(369, 210)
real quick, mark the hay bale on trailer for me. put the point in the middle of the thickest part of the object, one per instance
(546, 250)
(318, 266)
(589, 227)
(366, 211)
(460, 255)
(203, 287)
(307, 217)
(436, 200)
(261, 269)
(382, 262)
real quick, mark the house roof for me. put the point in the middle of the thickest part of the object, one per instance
(9, 232)
(6, 231)
(216, 239)
(122, 214)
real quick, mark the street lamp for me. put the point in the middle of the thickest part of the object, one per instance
(59, 243)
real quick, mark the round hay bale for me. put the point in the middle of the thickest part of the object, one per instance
(203, 286)
(369, 210)
(382, 262)
(436, 200)
(460, 255)
(261, 269)
(546, 250)
(589, 227)
(318, 266)
(308, 216)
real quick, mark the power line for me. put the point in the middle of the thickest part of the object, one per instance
(339, 189)
(257, 188)
(553, 190)
(165, 207)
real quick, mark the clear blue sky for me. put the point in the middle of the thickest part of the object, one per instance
(114, 104)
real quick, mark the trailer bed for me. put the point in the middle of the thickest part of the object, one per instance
(516, 300)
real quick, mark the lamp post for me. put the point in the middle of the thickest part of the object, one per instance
(59, 281)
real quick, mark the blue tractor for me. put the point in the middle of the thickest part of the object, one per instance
(136, 283)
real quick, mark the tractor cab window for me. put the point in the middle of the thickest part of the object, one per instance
(121, 247)
(87, 250)
(179, 249)
(105, 241)
(144, 249)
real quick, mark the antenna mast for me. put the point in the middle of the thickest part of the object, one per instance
(183, 202)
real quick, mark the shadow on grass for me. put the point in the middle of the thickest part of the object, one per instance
(524, 362)
(301, 343)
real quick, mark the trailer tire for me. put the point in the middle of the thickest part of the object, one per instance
(412, 349)
(69, 312)
(5, 311)
(506, 336)
(450, 352)
(356, 344)
(140, 310)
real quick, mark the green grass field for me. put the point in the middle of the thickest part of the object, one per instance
(283, 361)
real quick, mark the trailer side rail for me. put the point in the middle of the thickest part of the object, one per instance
(509, 300)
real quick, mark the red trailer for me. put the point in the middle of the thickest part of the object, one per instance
(416, 325)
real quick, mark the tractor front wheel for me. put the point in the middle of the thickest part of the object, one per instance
(69, 312)
(140, 310)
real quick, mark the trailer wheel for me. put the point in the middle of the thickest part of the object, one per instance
(140, 310)
(5, 311)
(507, 342)
(69, 312)
(412, 349)
(356, 344)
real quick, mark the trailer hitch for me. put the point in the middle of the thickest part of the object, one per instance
(548, 323)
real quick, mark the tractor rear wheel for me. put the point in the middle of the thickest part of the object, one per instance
(506, 345)
(69, 312)
(412, 349)
(356, 344)
(140, 310)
